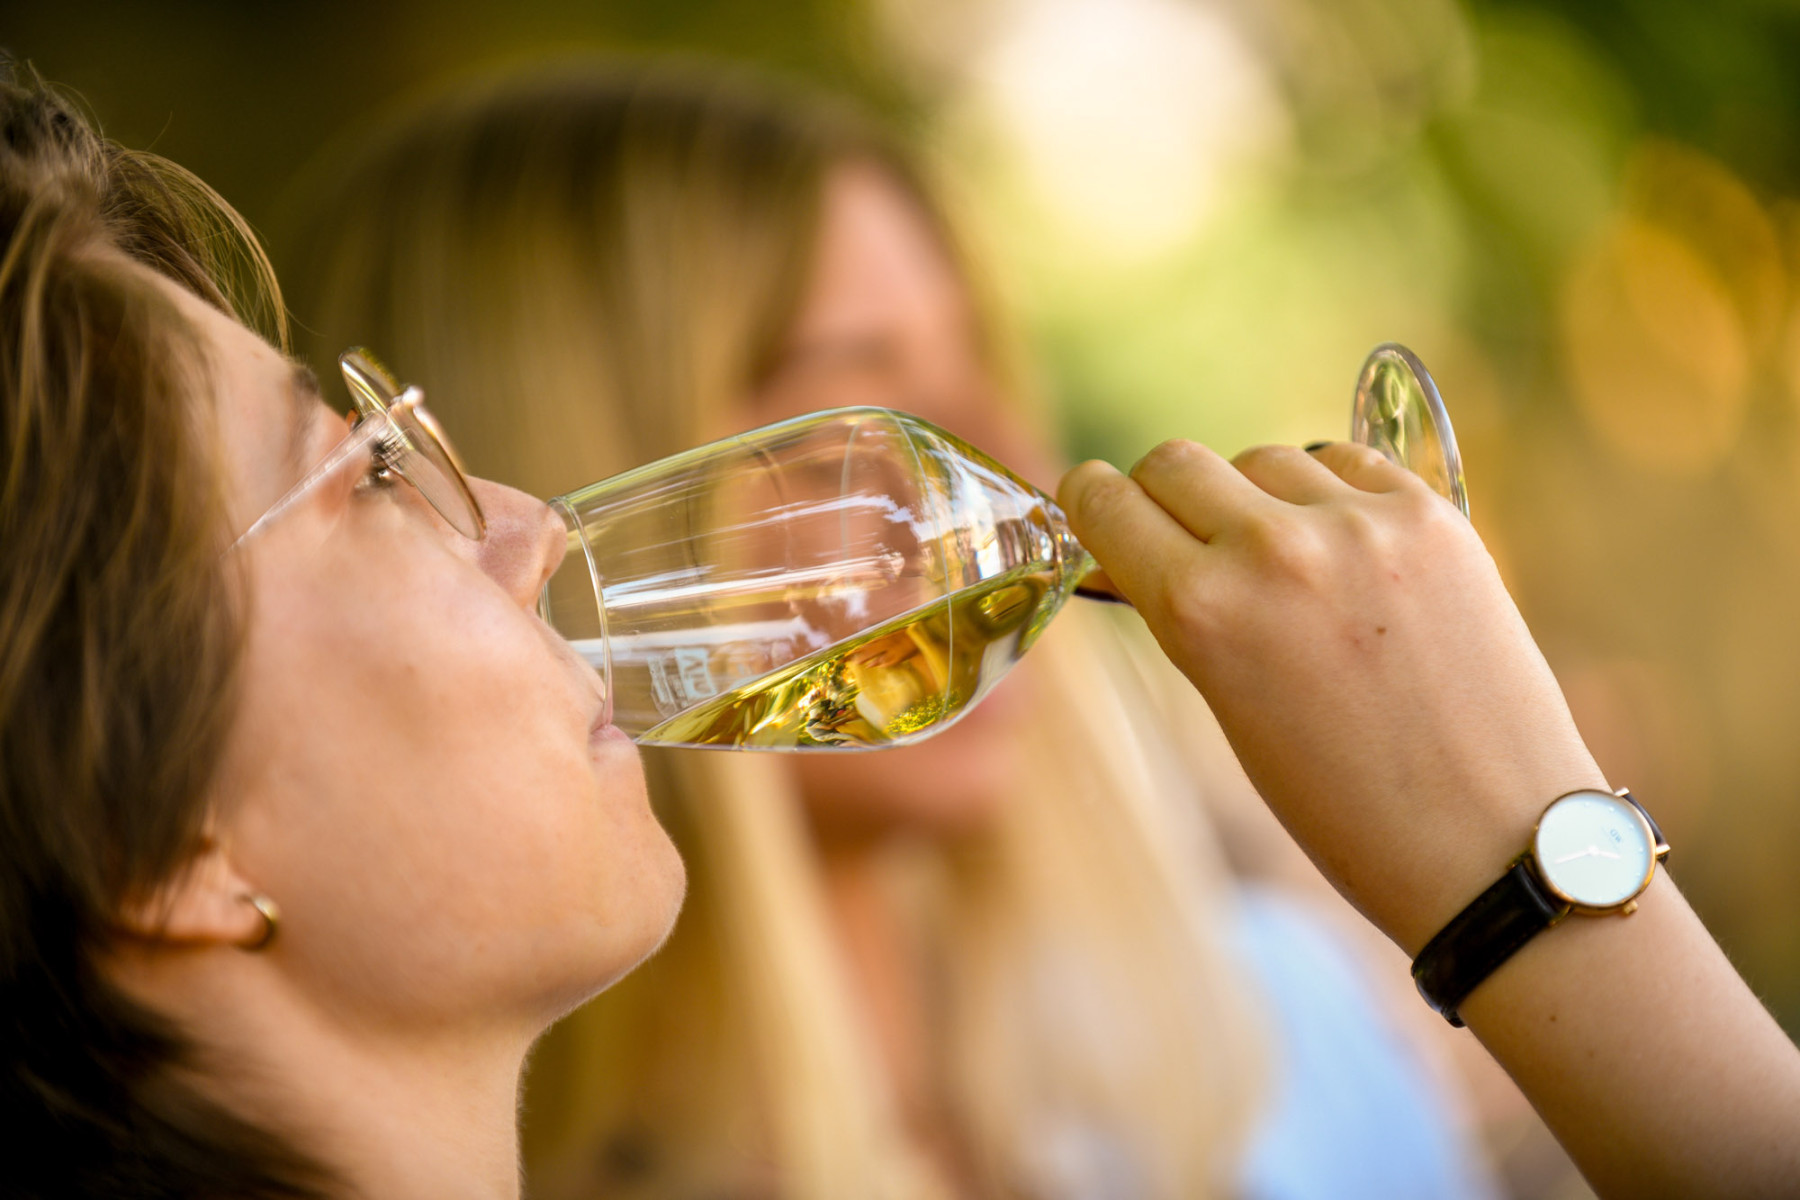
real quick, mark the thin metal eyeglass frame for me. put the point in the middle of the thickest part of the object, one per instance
(374, 392)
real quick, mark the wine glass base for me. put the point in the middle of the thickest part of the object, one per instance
(1399, 412)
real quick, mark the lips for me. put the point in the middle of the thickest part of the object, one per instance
(591, 683)
(604, 731)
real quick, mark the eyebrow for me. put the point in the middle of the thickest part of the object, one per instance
(304, 400)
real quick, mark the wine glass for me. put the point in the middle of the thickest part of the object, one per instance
(850, 579)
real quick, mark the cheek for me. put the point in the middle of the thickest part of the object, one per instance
(428, 802)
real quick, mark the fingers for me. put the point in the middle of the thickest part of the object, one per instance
(1146, 526)
(1136, 539)
(1362, 467)
(1289, 473)
(1202, 491)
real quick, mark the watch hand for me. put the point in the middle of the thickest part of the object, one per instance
(1578, 854)
(1604, 853)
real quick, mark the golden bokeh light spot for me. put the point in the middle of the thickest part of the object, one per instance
(1656, 349)
(1790, 357)
(1788, 349)
(1680, 189)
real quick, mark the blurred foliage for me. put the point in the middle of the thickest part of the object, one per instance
(245, 93)
(1586, 218)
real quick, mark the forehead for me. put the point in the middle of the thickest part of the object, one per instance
(265, 408)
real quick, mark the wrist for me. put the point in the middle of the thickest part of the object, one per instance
(1482, 829)
(1591, 853)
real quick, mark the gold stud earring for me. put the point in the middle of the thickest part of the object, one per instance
(271, 915)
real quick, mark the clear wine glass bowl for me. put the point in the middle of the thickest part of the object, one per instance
(851, 579)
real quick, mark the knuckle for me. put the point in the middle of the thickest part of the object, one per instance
(1429, 513)
(1268, 454)
(1289, 548)
(1182, 601)
(1379, 545)
(1351, 460)
(1100, 496)
(1396, 528)
(1361, 527)
(1168, 454)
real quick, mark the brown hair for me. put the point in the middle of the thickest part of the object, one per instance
(118, 645)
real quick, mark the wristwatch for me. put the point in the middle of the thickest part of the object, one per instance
(1593, 853)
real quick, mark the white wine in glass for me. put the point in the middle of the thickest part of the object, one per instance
(847, 580)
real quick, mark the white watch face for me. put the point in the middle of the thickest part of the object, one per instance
(1594, 849)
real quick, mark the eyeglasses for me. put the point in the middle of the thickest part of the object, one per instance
(406, 441)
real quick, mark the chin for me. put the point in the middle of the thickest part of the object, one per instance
(661, 890)
(675, 881)
(654, 904)
(629, 887)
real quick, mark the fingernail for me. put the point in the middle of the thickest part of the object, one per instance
(1315, 447)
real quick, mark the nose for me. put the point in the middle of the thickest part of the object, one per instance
(525, 541)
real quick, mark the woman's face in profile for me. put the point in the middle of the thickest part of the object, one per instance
(417, 773)
(886, 319)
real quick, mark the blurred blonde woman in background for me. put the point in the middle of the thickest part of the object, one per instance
(1008, 961)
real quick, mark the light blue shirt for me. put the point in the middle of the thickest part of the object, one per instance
(1353, 1115)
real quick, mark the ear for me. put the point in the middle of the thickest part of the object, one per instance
(205, 902)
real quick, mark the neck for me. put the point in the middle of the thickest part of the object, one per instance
(389, 1111)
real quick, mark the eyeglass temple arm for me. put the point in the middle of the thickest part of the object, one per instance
(366, 430)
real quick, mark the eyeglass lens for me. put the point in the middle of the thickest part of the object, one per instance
(425, 463)
(421, 455)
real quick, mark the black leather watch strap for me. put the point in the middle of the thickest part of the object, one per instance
(1484, 935)
(1662, 843)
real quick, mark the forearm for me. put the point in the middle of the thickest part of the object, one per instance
(1647, 1055)
(1633, 1036)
